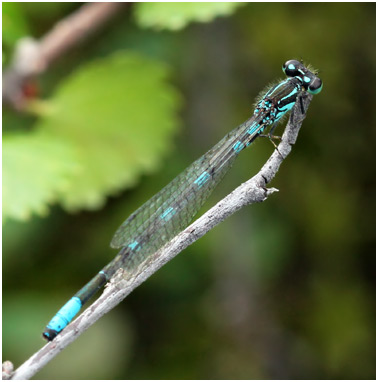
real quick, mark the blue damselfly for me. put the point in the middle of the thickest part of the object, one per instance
(171, 210)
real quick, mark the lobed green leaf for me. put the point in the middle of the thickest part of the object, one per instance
(35, 169)
(119, 113)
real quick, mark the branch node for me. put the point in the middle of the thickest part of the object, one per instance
(270, 191)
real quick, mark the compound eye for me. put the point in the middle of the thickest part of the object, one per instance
(290, 68)
(315, 86)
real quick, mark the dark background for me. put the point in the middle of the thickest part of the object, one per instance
(282, 290)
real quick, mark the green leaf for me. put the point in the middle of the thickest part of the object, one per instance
(119, 113)
(14, 23)
(35, 169)
(175, 16)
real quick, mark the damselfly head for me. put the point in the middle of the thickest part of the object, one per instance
(310, 81)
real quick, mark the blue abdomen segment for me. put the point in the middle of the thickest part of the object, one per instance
(238, 146)
(202, 179)
(62, 318)
(72, 307)
(167, 214)
(252, 129)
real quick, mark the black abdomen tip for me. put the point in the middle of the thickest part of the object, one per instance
(49, 334)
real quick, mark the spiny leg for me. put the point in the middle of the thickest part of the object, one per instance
(272, 137)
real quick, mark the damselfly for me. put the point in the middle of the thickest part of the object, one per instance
(171, 209)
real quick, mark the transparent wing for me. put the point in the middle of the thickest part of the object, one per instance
(171, 210)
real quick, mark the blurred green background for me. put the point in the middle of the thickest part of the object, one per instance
(281, 290)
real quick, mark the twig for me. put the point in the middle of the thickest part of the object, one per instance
(251, 191)
(32, 57)
(122, 284)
